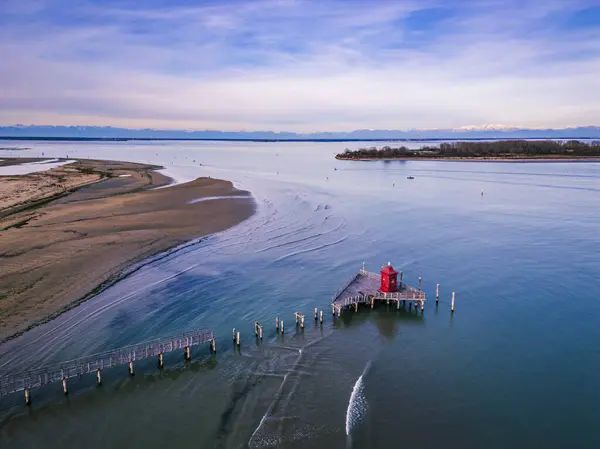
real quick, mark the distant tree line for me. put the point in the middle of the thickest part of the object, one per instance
(494, 149)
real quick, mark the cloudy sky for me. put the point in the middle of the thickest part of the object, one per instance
(300, 65)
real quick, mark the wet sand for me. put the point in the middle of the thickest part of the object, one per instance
(67, 233)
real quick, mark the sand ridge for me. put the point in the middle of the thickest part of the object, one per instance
(57, 253)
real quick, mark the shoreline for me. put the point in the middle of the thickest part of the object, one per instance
(61, 250)
(476, 159)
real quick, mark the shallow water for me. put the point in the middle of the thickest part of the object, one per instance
(515, 366)
(32, 167)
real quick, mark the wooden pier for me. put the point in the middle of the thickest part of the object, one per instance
(60, 372)
(364, 288)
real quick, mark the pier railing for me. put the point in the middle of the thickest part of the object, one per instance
(37, 377)
(346, 285)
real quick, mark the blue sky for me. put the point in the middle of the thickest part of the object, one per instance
(300, 65)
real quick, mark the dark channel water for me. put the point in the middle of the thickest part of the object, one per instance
(516, 366)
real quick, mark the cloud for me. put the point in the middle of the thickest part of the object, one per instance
(299, 65)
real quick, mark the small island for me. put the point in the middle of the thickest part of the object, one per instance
(501, 150)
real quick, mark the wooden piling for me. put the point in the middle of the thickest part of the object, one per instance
(372, 302)
(277, 323)
(64, 384)
(187, 353)
(260, 332)
(452, 307)
(234, 334)
(131, 367)
(296, 318)
(160, 360)
(437, 293)
(316, 314)
(214, 345)
(238, 338)
(419, 288)
(302, 322)
(27, 397)
(281, 326)
(98, 377)
(422, 305)
(356, 307)
(321, 316)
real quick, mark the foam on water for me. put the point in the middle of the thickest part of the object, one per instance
(357, 406)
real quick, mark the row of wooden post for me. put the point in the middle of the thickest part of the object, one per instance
(186, 353)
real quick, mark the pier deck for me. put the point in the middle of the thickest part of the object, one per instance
(37, 377)
(364, 288)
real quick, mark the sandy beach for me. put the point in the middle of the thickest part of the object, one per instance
(69, 232)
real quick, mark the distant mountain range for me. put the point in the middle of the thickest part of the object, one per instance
(467, 132)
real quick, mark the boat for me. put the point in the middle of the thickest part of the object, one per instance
(410, 177)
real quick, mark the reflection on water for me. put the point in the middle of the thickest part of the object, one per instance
(497, 373)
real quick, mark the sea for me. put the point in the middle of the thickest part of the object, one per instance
(517, 365)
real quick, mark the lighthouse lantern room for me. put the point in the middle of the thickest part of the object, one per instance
(389, 279)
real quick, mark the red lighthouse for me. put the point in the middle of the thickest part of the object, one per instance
(389, 279)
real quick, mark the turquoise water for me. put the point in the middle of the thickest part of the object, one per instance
(516, 366)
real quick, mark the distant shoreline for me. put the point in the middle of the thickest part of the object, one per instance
(477, 159)
(217, 139)
(488, 151)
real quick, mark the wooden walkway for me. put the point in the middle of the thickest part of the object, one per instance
(363, 288)
(38, 377)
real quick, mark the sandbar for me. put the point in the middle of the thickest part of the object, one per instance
(68, 233)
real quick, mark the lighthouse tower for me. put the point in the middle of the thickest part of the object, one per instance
(389, 279)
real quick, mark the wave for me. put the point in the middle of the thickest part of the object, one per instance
(357, 406)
